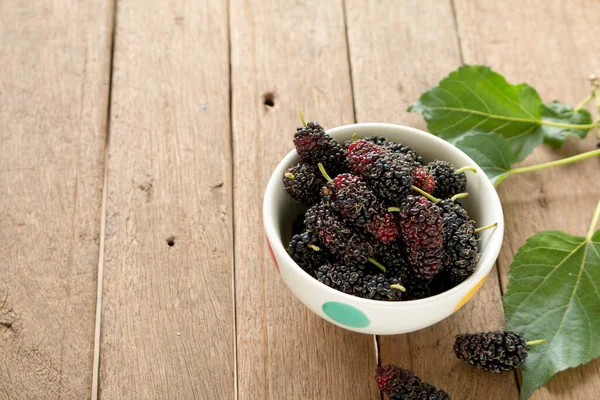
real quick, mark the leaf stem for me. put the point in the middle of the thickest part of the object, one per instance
(467, 168)
(534, 342)
(324, 173)
(568, 126)
(584, 102)
(484, 228)
(563, 161)
(459, 196)
(375, 263)
(424, 193)
(595, 218)
(398, 286)
(302, 118)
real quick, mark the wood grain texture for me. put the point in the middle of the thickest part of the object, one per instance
(553, 46)
(294, 52)
(397, 52)
(54, 72)
(167, 326)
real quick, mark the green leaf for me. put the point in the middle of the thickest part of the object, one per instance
(554, 293)
(475, 98)
(563, 113)
(491, 152)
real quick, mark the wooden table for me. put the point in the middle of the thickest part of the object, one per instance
(137, 137)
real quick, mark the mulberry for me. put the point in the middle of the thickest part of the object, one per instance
(303, 182)
(305, 250)
(350, 196)
(396, 148)
(462, 251)
(447, 181)
(393, 380)
(379, 287)
(352, 247)
(423, 180)
(315, 146)
(390, 176)
(492, 351)
(341, 277)
(362, 153)
(393, 256)
(402, 384)
(422, 232)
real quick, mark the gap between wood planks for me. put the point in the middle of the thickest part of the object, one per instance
(462, 60)
(347, 40)
(97, 328)
(231, 207)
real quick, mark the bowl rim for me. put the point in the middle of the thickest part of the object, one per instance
(491, 251)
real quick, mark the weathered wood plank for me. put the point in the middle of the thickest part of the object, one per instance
(397, 52)
(553, 46)
(295, 53)
(167, 326)
(54, 73)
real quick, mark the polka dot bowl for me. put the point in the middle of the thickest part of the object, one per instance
(372, 316)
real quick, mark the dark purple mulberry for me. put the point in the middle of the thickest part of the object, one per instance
(303, 182)
(492, 351)
(340, 277)
(390, 176)
(394, 257)
(351, 246)
(380, 287)
(462, 252)
(306, 251)
(447, 182)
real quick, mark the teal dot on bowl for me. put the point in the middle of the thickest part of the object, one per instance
(346, 314)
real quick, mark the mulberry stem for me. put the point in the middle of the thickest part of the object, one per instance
(394, 209)
(484, 228)
(399, 287)
(375, 263)
(459, 196)
(584, 102)
(354, 136)
(594, 223)
(424, 193)
(324, 173)
(302, 118)
(289, 175)
(534, 342)
(314, 247)
(463, 169)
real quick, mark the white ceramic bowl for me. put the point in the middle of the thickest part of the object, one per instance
(372, 316)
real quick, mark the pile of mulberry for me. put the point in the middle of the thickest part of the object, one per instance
(381, 224)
